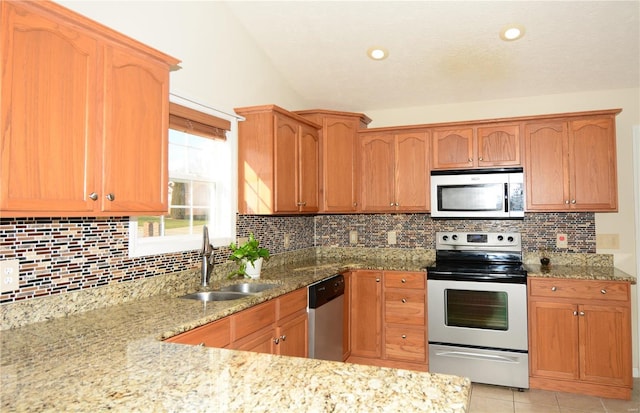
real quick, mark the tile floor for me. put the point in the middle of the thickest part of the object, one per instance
(495, 399)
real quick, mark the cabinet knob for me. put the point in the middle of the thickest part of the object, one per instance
(391, 204)
(355, 204)
(469, 160)
(111, 197)
(276, 341)
(283, 337)
(603, 291)
(581, 313)
(377, 280)
(554, 288)
(201, 344)
(573, 201)
(575, 313)
(404, 336)
(404, 300)
(302, 204)
(566, 202)
(93, 196)
(480, 158)
(403, 281)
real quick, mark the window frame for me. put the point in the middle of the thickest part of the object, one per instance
(139, 246)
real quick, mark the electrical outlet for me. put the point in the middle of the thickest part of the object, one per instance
(562, 241)
(287, 240)
(392, 238)
(242, 240)
(9, 275)
(353, 237)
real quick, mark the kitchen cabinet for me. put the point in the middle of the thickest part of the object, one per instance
(570, 163)
(580, 336)
(388, 319)
(278, 161)
(214, 334)
(469, 146)
(394, 169)
(339, 189)
(84, 117)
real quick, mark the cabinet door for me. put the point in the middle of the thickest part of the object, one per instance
(377, 171)
(553, 340)
(215, 334)
(366, 314)
(48, 70)
(412, 172)
(452, 149)
(293, 337)
(135, 139)
(340, 179)
(499, 145)
(308, 169)
(593, 182)
(262, 341)
(286, 173)
(546, 166)
(605, 344)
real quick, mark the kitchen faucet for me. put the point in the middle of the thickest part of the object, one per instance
(207, 258)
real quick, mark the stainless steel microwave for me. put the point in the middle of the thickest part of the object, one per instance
(478, 193)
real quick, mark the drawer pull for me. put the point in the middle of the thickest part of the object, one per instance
(404, 336)
(554, 288)
(603, 291)
(403, 281)
(283, 337)
(582, 313)
(377, 280)
(276, 340)
(575, 313)
(111, 197)
(201, 344)
(404, 300)
(93, 196)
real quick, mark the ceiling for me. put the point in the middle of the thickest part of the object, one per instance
(444, 51)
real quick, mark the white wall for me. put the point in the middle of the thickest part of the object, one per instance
(221, 65)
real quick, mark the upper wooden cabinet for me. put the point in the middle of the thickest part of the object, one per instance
(394, 170)
(491, 145)
(84, 117)
(339, 189)
(278, 162)
(570, 163)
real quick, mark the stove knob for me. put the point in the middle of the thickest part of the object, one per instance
(445, 237)
(510, 239)
(500, 237)
(454, 237)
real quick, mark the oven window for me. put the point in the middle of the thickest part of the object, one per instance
(480, 197)
(476, 309)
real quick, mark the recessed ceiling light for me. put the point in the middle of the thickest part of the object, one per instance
(377, 53)
(512, 32)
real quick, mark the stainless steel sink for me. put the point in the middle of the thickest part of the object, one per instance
(216, 296)
(248, 288)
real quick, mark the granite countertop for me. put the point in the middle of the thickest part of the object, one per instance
(113, 359)
(579, 272)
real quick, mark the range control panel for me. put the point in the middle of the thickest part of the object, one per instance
(503, 241)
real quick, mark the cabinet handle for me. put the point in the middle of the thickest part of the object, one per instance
(575, 313)
(480, 158)
(404, 336)
(391, 204)
(469, 160)
(573, 201)
(554, 288)
(566, 202)
(302, 204)
(404, 300)
(403, 281)
(111, 197)
(283, 337)
(93, 196)
(201, 344)
(377, 280)
(582, 313)
(355, 204)
(603, 291)
(276, 341)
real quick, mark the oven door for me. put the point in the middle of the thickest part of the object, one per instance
(480, 314)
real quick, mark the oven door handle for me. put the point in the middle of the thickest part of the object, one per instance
(470, 355)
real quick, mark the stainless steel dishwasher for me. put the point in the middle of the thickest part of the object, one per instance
(326, 308)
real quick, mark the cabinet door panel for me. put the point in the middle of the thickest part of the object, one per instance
(46, 145)
(605, 338)
(286, 181)
(260, 342)
(553, 348)
(339, 165)
(135, 134)
(377, 171)
(366, 313)
(452, 149)
(546, 171)
(593, 162)
(499, 146)
(412, 172)
(308, 166)
(294, 337)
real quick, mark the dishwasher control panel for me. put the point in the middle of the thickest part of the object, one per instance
(326, 290)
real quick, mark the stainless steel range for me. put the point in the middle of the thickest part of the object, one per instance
(477, 293)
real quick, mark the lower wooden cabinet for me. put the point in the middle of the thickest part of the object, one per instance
(580, 336)
(275, 327)
(388, 319)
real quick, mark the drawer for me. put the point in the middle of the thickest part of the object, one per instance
(402, 279)
(579, 290)
(292, 302)
(404, 307)
(215, 334)
(406, 344)
(253, 319)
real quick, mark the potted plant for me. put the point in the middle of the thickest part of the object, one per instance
(249, 257)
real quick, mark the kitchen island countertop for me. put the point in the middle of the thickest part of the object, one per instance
(113, 359)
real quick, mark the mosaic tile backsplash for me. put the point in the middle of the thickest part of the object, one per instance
(59, 255)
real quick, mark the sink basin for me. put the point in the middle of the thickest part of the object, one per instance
(248, 288)
(216, 296)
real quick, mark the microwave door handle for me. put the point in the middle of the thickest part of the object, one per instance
(506, 197)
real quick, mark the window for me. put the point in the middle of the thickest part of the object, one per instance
(202, 184)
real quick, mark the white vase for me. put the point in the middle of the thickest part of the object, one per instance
(253, 270)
